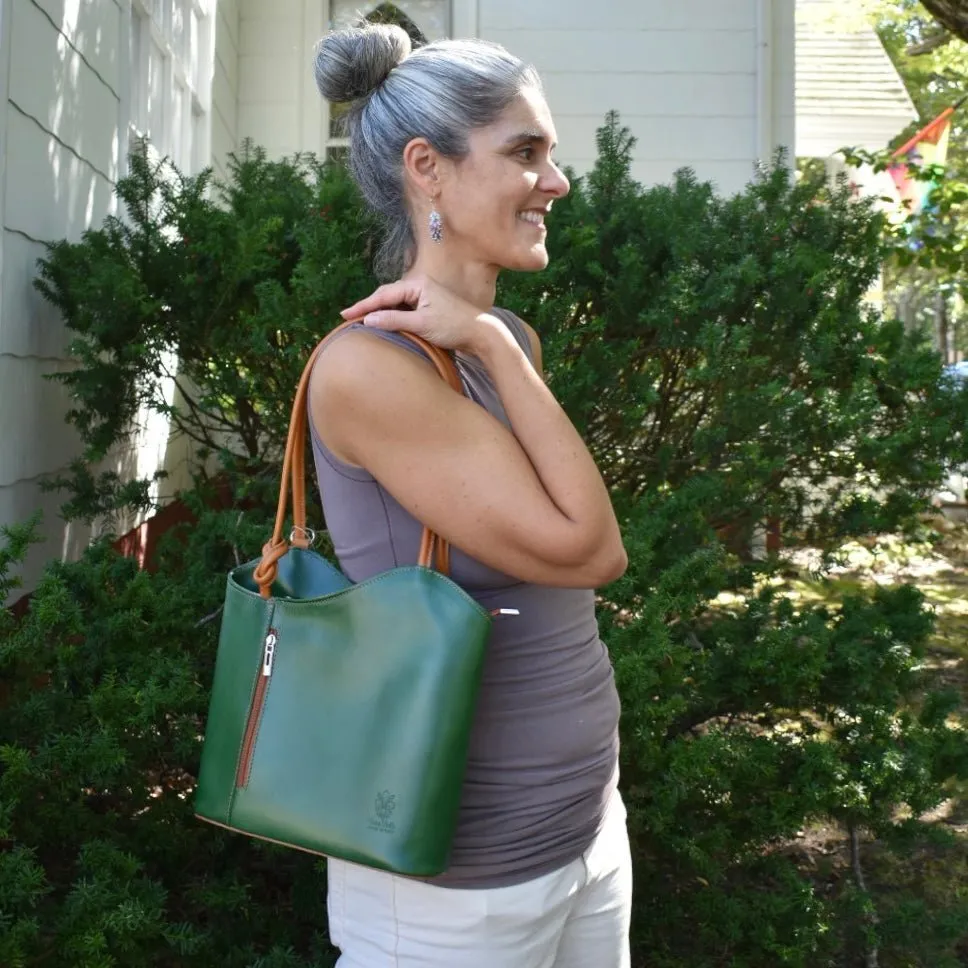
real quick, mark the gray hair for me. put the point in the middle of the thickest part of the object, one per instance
(441, 91)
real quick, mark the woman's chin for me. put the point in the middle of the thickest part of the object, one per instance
(532, 260)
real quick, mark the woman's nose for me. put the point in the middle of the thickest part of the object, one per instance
(555, 183)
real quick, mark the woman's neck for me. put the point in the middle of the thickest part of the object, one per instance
(474, 282)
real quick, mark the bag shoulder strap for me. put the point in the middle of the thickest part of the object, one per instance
(433, 549)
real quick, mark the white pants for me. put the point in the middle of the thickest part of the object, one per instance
(575, 917)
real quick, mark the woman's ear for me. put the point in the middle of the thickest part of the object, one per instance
(421, 165)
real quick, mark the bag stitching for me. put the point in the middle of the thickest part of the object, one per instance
(238, 754)
(262, 716)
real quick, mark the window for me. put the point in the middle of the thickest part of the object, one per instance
(431, 17)
(423, 20)
(171, 67)
(168, 105)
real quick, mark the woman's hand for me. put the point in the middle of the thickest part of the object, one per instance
(436, 314)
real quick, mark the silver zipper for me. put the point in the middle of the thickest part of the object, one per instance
(269, 654)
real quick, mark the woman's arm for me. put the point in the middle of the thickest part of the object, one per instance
(535, 342)
(530, 503)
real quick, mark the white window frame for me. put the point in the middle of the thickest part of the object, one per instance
(195, 134)
(150, 431)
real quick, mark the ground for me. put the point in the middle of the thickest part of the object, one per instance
(939, 567)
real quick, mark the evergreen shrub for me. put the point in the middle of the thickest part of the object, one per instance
(719, 357)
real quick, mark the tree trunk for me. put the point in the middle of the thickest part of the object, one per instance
(941, 317)
(951, 14)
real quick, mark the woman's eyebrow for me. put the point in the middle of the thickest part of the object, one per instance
(532, 135)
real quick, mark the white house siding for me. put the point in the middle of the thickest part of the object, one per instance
(278, 104)
(69, 96)
(683, 77)
(59, 111)
(707, 84)
(225, 84)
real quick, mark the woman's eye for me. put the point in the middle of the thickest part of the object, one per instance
(527, 154)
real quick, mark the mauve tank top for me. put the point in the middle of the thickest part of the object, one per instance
(543, 758)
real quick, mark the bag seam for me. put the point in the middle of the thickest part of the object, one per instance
(252, 686)
(370, 582)
(262, 716)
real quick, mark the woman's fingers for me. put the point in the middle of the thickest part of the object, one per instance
(391, 319)
(364, 306)
(419, 306)
(361, 308)
(386, 297)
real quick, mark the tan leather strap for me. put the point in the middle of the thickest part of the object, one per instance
(434, 551)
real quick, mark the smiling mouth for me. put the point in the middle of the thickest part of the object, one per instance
(533, 218)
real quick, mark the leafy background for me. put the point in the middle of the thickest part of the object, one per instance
(720, 359)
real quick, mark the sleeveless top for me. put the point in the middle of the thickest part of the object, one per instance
(543, 760)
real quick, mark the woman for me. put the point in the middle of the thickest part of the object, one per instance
(452, 144)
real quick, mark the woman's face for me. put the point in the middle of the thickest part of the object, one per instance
(494, 200)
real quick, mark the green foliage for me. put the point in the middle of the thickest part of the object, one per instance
(719, 359)
(178, 309)
(103, 863)
(926, 274)
(17, 539)
(719, 348)
(717, 355)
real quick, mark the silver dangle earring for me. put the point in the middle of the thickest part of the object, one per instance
(436, 224)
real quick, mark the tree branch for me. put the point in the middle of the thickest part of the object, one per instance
(951, 14)
(871, 955)
(930, 43)
(210, 617)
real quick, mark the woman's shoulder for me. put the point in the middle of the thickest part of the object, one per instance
(525, 335)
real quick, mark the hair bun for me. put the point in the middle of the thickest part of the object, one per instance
(352, 63)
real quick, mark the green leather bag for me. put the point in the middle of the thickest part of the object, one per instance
(340, 714)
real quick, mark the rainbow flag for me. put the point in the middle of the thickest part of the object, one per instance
(928, 147)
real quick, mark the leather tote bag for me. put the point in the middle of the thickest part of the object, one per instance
(340, 713)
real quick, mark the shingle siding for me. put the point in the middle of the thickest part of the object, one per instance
(60, 116)
(278, 104)
(65, 100)
(848, 91)
(225, 83)
(683, 78)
